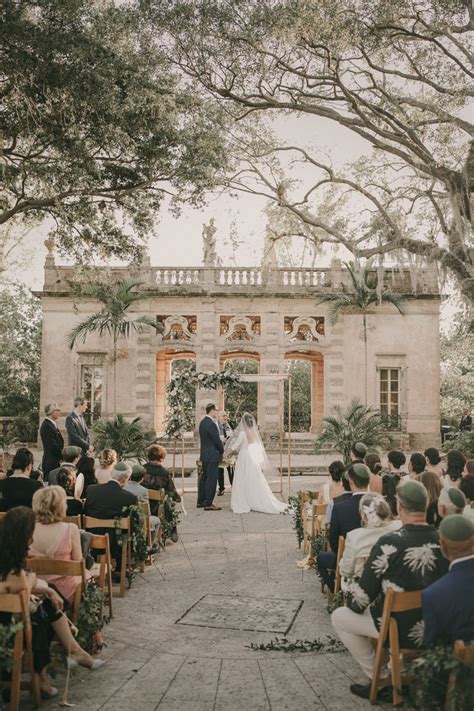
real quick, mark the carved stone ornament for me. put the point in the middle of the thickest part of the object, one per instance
(177, 328)
(240, 328)
(304, 328)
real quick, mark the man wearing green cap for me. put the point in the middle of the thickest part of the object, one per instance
(405, 560)
(451, 501)
(448, 604)
(345, 517)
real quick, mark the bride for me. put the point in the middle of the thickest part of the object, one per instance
(250, 490)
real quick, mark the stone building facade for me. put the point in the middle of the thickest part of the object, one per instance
(212, 314)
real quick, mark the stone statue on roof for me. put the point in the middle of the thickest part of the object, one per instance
(209, 243)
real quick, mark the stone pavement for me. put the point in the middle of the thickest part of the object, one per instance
(179, 639)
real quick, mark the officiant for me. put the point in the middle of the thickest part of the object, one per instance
(225, 432)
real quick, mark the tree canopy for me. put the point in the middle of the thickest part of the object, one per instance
(96, 128)
(398, 75)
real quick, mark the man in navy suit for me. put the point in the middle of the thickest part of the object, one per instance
(211, 452)
(77, 431)
(448, 604)
(345, 517)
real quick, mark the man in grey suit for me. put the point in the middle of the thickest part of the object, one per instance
(76, 427)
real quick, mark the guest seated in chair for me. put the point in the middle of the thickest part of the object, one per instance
(70, 457)
(372, 460)
(451, 501)
(467, 488)
(448, 604)
(334, 486)
(434, 487)
(405, 560)
(67, 481)
(18, 488)
(107, 460)
(134, 486)
(157, 477)
(16, 531)
(345, 517)
(86, 467)
(377, 520)
(53, 538)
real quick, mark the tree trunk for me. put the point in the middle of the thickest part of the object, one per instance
(115, 376)
(364, 318)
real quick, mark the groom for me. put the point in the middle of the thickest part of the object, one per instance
(211, 452)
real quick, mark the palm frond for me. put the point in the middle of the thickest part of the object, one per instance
(92, 324)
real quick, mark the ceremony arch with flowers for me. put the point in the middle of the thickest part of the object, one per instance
(181, 397)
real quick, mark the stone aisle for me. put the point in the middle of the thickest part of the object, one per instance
(233, 571)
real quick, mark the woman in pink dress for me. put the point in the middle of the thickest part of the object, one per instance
(53, 538)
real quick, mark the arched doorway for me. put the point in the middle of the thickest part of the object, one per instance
(166, 364)
(307, 391)
(244, 398)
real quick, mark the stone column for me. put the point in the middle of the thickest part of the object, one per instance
(207, 355)
(271, 361)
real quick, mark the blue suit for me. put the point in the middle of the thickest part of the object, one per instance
(344, 518)
(448, 606)
(211, 451)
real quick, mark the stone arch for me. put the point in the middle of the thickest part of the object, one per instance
(164, 365)
(316, 359)
(251, 391)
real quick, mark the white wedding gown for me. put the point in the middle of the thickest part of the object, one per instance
(250, 490)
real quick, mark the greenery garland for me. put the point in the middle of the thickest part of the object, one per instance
(138, 544)
(335, 600)
(430, 674)
(281, 644)
(317, 545)
(169, 516)
(181, 396)
(7, 640)
(294, 508)
(90, 621)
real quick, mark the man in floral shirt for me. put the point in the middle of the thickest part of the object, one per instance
(405, 560)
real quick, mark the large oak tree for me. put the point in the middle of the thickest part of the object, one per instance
(95, 126)
(399, 75)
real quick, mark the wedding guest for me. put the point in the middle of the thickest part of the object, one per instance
(51, 438)
(225, 431)
(16, 531)
(433, 461)
(372, 460)
(66, 480)
(377, 520)
(466, 421)
(69, 458)
(18, 488)
(469, 467)
(135, 487)
(396, 460)
(107, 460)
(455, 461)
(77, 430)
(434, 487)
(448, 612)
(416, 465)
(334, 486)
(53, 538)
(157, 477)
(345, 494)
(451, 501)
(394, 561)
(358, 452)
(390, 482)
(86, 467)
(467, 488)
(345, 517)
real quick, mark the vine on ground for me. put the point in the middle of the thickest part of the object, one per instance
(281, 644)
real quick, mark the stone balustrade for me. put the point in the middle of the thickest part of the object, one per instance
(244, 279)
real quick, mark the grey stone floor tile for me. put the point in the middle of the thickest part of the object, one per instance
(193, 687)
(241, 687)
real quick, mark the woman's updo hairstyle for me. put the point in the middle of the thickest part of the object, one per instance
(107, 457)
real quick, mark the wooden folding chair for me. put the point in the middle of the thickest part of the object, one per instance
(159, 496)
(18, 604)
(77, 520)
(305, 497)
(318, 521)
(104, 577)
(145, 506)
(465, 654)
(51, 566)
(340, 552)
(109, 523)
(394, 602)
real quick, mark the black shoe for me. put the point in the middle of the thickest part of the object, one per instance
(220, 492)
(153, 550)
(200, 506)
(363, 691)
